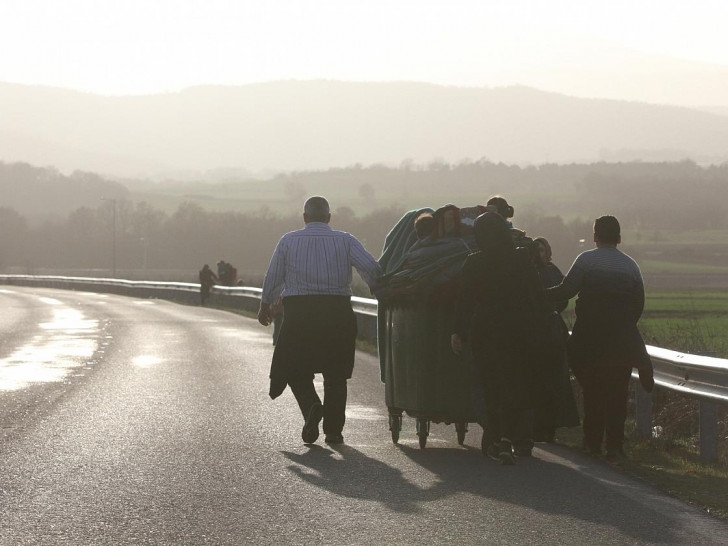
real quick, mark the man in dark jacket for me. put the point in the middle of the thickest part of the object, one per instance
(605, 343)
(502, 311)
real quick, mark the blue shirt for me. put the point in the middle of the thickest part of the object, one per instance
(317, 260)
(600, 271)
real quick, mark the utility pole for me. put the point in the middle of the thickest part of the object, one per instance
(112, 200)
(113, 242)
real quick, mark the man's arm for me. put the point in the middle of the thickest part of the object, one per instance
(364, 262)
(273, 285)
(571, 285)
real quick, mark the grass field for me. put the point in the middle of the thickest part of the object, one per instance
(654, 266)
(687, 322)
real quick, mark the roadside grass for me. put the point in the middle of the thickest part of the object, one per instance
(672, 464)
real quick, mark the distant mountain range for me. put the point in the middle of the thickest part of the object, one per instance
(297, 125)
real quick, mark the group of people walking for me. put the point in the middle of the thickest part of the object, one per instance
(227, 275)
(507, 310)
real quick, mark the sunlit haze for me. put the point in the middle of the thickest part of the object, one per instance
(142, 46)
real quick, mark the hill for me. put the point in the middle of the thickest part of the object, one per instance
(294, 125)
(44, 193)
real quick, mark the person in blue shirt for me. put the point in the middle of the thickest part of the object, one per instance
(605, 343)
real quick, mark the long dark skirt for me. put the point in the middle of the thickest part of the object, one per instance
(318, 335)
(555, 405)
(506, 372)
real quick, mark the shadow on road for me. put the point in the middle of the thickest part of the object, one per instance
(597, 496)
(346, 471)
(548, 488)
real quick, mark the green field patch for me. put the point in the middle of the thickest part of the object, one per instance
(656, 266)
(688, 303)
(652, 237)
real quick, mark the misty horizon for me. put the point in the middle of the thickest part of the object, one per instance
(312, 125)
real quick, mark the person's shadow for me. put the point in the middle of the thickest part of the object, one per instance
(346, 471)
(547, 487)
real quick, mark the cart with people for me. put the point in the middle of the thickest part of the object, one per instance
(423, 378)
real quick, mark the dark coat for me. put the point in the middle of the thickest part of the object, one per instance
(502, 311)
(502, 299)
(318, 335)
(558, 406)
(606, 333)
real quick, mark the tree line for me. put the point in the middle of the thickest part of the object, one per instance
(146, 238)
(93, 215)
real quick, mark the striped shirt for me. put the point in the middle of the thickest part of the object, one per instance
(317, 260)
(603, 270)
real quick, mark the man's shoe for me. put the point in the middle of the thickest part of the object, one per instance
(310, 431)
(334, 439)
(505, 453)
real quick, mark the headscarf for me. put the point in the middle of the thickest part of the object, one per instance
(492, 234)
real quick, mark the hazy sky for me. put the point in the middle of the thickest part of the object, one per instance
(149, 46)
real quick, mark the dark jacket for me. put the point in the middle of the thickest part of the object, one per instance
(501, 305)
(552, 276)
(610, 302)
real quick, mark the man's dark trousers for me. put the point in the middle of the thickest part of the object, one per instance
(605, 405)
(334, 399)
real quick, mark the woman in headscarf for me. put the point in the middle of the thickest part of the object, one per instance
(556, 405)
(501, 310)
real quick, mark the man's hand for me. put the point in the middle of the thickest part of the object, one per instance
(456, 343)
(264, 315)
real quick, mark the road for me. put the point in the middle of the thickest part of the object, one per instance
(129, 421)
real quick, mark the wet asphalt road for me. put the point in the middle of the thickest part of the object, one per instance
(151, 424)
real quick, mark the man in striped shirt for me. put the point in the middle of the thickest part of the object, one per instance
(311, 270)
(605, 343)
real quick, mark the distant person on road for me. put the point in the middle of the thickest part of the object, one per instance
(207, 281)
(222, 272)
(232, 275)
(605, 343)
(556, 407)
(502, 310)
(311, 270)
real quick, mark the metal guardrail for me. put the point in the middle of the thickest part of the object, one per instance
(701, 377)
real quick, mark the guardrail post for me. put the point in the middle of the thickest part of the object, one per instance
(708, 431)
(708, 427)
(643, 411)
